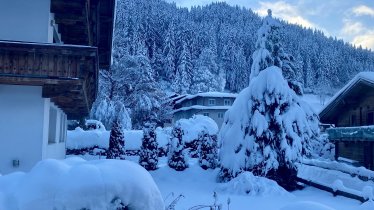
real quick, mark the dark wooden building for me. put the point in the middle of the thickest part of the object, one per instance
(351, 110)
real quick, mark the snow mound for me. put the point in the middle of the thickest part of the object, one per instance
(248, 184)
(369, 205)
(193, 126)
(306, 205)
(78, 184)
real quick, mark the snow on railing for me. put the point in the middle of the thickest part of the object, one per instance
(361, 132)
(360, 172)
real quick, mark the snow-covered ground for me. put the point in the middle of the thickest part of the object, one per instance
(198, 185)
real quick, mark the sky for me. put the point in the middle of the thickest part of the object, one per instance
(350, 20)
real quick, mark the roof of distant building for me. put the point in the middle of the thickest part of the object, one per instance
(208, 94)
(353, 89)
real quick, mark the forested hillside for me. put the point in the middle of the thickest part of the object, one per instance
(160, 48)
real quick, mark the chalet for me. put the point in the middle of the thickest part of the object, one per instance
(50, 53)
(211, 104)
(351, 110)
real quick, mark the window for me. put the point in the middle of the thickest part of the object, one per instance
(212, 102)
(220, 115)
(227, 102)
(63, 127)
(188, 103)
(206, 114)
(370, 118)
(353, 120)
(52, 125)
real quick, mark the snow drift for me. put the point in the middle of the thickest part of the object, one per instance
(78, 184)
(248, 184)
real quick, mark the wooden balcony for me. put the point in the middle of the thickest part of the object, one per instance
(67, 73)
(361, 133)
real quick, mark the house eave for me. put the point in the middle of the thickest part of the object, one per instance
(67, 73)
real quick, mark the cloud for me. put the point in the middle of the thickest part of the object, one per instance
(365, 40)
(352, 28)
(285, 11)
(358, 33)
(363, 10)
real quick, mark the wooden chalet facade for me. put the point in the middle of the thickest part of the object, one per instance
(351, 110)
(50, 54)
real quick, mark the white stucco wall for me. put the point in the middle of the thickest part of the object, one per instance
(25, 20)
(24, 123)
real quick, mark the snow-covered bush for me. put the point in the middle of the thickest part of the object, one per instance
(116, 148)
(207, 150)
(323, 148)
(177, 158)
(78, 184)
(148, 155)
(192, 127)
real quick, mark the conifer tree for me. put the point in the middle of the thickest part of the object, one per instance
(148, 157)
(207, 150)
(177, 158)
(116, 148)
(268, 128)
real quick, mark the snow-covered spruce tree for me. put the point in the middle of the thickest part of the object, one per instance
(268, 128)
(116, 148)
(270, 52)
(148, 157)
(182, 81)
(177, 159)
(207, 150)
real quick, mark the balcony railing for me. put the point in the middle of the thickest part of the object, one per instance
(67, 73)
(361, 133)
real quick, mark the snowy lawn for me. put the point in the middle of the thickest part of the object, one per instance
(197, 187)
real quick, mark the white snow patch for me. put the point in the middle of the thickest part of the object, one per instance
(306, 205)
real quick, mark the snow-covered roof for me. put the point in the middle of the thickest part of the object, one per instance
(208, 94)
(199, 107)
(363, 77)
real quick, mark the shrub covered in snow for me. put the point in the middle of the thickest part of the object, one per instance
(78, 184)
(177, 159)
(116, 148)
(208, 150)
(192, 127)
(148, 155)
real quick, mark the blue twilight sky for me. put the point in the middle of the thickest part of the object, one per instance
(350, 20)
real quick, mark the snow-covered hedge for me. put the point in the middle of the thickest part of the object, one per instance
(81, 141)
(78, 184)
